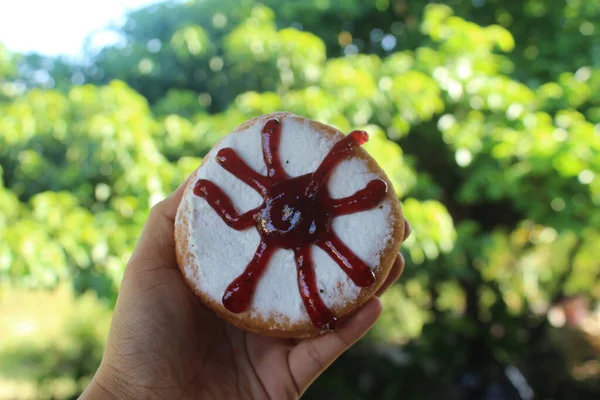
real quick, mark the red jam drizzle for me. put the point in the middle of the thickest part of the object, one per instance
(296, 213)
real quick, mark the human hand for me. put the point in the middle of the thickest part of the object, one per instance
(164, 343)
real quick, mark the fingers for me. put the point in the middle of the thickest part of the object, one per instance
(168, 207)
(393, 276)
(407, 230)
(309, 358)
(397, 267)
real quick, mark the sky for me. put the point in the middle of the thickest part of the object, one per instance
(54, 27)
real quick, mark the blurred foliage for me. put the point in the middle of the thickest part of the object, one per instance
(484, 113)
(55, 338)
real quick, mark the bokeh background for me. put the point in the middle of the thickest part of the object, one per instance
(484, 113)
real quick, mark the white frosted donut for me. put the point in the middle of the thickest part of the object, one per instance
(211, 254)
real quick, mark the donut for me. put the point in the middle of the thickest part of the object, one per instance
(287, 227)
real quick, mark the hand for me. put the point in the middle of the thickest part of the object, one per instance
(164, 343)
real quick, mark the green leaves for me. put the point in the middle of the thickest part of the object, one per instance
(457, 34)
(390, 157)
(286, 57)
(189, 42)
(7, 66)
(104, 145)
(484, 116)
(433, 229)
(56, 337)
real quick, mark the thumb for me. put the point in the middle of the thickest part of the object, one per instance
(156, 245)
(309, 358)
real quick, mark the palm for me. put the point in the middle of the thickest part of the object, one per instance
(178, 348)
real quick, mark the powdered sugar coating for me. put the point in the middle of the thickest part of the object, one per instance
(221, 253)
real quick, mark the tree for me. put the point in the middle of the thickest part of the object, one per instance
(494, 153)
